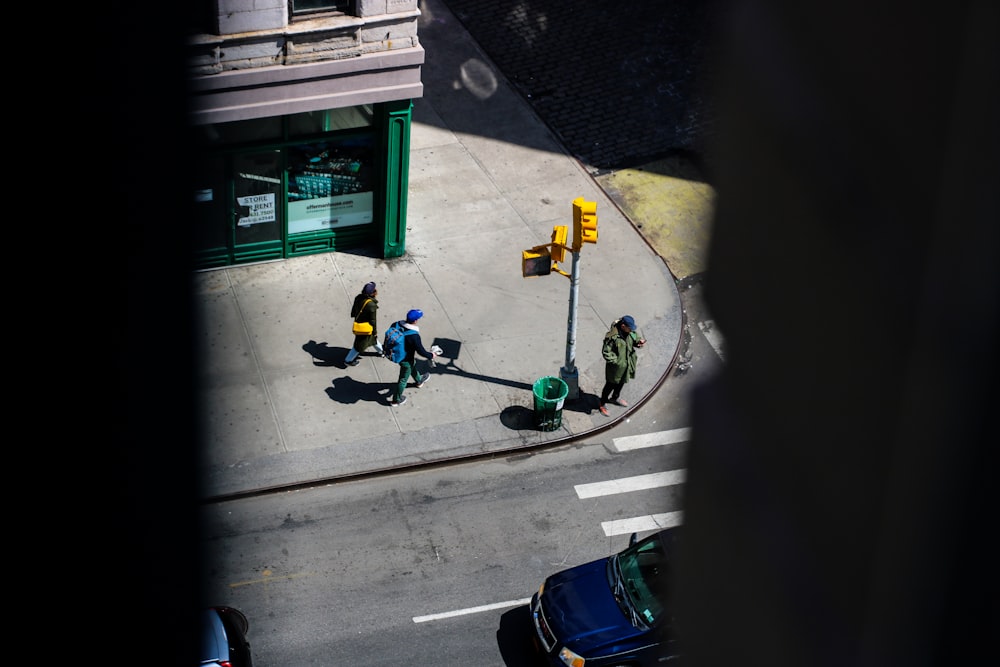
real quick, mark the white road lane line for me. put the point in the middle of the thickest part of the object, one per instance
(626, 484)
(470, 610)
(641, 523)
(657, 439)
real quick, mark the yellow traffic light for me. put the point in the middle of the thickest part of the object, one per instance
(559, 235)
(536, 262)
(584, 222)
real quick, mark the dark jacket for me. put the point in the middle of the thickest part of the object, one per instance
(413, 344)
(366, 312)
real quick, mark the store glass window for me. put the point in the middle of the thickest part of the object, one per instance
(251, 131)
(257, 190)
(331, 184)
(329, 120)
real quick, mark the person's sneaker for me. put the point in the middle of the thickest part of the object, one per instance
(353, 363)
(621, 402)
(399, 402)
(604, 410)
(423, 380)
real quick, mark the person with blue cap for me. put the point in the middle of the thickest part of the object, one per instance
(365, 313)
(620, 359)
(408, 366)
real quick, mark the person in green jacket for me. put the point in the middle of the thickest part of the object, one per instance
(365, 309)
(620, 359)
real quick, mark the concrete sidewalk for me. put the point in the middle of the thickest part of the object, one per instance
(487, 180)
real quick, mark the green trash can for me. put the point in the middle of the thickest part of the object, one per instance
(550, 394)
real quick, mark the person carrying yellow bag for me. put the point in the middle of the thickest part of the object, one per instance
(364, 313)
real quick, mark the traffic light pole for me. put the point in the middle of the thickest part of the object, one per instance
(569, 373)
(544, 259)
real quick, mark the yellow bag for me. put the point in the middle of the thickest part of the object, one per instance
(362, 328)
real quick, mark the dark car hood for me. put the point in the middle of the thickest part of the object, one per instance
(583, 612)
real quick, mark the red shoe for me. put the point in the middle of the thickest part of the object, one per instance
(621, 402)
(604, 410)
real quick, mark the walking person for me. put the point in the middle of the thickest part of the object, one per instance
(620, 360)
(365, 313)
(409, 339)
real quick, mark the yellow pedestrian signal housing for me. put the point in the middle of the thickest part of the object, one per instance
(536, 262)
(584, 222)
(559, 235)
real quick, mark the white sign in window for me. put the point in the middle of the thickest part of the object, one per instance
(261, 209)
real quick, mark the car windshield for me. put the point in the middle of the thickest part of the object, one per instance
(642, 574)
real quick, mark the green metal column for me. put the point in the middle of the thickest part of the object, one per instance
(396, 145)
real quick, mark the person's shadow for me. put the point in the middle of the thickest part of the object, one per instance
(326, 356)
(347, 390)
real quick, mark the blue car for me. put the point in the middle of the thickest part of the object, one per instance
(224, 638)
(609, 612)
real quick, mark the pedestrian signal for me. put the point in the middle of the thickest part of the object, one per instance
(584, 222)
(559, 235)
(536, 262)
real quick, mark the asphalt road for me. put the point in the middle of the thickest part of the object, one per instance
(434, 565)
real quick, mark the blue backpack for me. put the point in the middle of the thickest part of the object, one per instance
(393, 345)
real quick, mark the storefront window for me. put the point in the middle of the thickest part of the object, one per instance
(257, 188)
(331, 184)
(250, 131)
(329, 120)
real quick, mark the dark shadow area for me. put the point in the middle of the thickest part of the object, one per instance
(146, 489)
(347, 390)
(326, 356)
(515, 417)
(618, 85)
(583, 402)
(514, 639)
(477, 79)
(837, 492)
(518, 418)
(332, 356)
(450, 348)
(450, 367)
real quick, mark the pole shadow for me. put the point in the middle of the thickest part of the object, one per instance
(584, 402)
(451, 349)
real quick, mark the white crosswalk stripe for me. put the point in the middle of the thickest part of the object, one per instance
(626, 484)
(650, 522)
(640, 523)
(657, 439)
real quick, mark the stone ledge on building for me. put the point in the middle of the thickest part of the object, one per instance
(335, 37)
